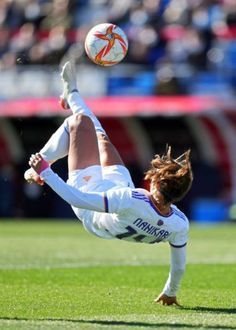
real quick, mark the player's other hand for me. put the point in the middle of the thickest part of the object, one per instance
(38, 163)
(32, 177)
(166, 300)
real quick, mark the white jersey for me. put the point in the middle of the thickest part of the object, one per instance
(131, 215)
(123, 213)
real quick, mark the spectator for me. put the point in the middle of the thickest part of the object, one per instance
(58, 15)
(188, 32)
(56, 45)
(21, 43)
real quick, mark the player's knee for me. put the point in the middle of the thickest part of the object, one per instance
(80, 122)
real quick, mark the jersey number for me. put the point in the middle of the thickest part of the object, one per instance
(131, 232)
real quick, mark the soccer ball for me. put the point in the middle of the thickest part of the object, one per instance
(106, 44)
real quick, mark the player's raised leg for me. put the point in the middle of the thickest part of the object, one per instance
(71, 97)
(83, 145)
(58, 145)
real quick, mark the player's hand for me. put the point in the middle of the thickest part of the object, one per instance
(38, 163)
(166, 300)
(32, 177)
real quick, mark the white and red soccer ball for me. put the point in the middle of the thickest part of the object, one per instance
(106, 44)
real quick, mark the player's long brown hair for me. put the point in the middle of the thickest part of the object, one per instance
(172, 177)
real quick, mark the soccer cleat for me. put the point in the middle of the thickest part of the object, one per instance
(32, 177)
(69, 84)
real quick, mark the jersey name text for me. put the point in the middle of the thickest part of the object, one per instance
(150, 229)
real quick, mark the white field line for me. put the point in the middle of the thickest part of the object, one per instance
(67, 265)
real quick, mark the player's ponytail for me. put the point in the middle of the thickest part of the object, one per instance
(171, 177)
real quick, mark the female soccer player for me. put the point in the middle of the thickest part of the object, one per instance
(101, 192)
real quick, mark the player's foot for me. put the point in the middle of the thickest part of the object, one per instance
(32, 177)
(69, 84)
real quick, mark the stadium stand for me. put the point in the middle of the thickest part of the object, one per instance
(197, 33)
(180, 48)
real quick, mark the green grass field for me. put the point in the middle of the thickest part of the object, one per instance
(54, 275)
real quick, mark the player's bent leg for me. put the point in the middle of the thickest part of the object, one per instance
(58, 145)
(108, 153)
(113, 168)
(83, 146)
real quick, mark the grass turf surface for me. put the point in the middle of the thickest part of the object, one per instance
(54, 275)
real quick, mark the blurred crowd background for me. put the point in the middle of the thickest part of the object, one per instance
(178, 47)
(162, 34)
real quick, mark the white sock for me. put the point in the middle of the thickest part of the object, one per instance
(77, 105)
(58, 145)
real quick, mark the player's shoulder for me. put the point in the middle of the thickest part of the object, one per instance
(181, 218)
(120, 191)
(140, 193)
(137, 193)
(134, 195)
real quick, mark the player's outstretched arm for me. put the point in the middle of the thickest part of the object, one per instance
(177, 268)
(166, 300)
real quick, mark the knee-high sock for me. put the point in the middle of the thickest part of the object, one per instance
(58, 145)
(77, 105)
